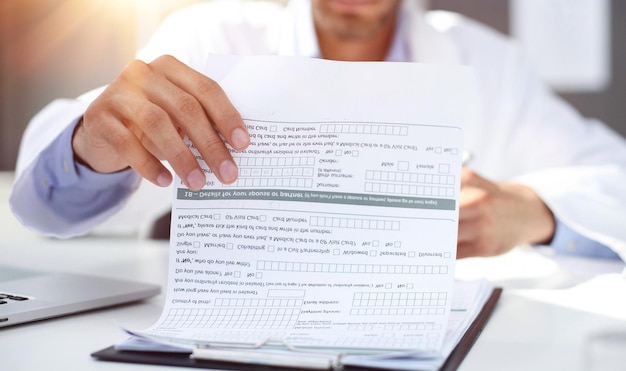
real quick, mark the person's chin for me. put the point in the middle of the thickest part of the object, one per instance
(352, 5)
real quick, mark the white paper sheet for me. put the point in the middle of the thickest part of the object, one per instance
(341, 229)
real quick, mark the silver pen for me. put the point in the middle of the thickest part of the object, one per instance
(466, 157)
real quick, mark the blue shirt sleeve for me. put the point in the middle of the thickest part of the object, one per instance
(74, 191)
(569, 242)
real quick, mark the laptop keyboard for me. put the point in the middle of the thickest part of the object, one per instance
(6, 298)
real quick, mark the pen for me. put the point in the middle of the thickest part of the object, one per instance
(466, 157)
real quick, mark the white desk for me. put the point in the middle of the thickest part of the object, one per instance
(539, 323)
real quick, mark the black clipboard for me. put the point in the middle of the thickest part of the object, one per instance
(183, 360)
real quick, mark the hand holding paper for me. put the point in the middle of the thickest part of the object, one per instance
(340, 232)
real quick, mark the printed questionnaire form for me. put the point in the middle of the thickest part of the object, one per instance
(340, 231)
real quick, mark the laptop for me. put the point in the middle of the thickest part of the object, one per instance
(27, 296)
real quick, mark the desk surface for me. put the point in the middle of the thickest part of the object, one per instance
(547, 311)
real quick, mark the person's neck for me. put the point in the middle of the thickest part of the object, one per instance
(371, 49)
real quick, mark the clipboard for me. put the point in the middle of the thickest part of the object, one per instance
(452, 362)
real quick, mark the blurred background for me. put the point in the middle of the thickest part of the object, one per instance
(62, 48)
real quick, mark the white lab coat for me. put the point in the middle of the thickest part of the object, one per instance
(526, 134)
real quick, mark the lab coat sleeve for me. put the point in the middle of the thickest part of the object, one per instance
(33, 207)
(133, 211)
(529, 135)
(576, 165)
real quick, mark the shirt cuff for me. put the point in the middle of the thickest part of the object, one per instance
(568, 242)
(57, 169)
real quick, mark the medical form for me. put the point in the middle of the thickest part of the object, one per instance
(340, 231)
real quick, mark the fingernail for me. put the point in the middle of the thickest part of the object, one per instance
(164, 179)
(228, 171)
(239, 138)
(196, 179)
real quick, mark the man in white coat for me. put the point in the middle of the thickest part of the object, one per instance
(540, 173)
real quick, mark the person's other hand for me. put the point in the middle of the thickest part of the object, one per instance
(143, 115)
(494, 217)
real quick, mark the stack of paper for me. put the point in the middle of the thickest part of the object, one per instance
(339, 236)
